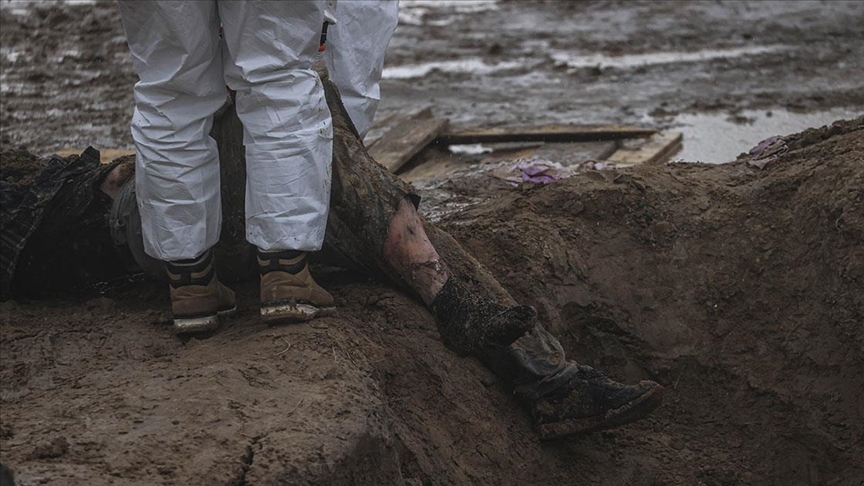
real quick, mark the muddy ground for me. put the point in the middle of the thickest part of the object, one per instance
(739, 289)
(67, 76)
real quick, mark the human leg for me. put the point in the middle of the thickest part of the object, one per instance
(356, 46)
(175, 49)
(374, 225)
(176, 52)
(475, 314)
(287, 128)
(270, 46)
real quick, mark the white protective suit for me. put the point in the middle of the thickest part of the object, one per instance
(355, 54)
(183, 66)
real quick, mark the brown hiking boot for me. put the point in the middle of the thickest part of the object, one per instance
(197, 296)
(590, 401)
(288, 292)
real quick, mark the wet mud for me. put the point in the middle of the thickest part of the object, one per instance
(736, 287)
(66, 73)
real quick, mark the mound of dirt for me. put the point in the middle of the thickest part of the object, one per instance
(740, 289)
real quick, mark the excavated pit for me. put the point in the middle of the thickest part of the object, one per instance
(740, 289)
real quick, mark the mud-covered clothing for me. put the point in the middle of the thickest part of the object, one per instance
(534, 365)
(364, 199)
(53, 221)
(265, 55)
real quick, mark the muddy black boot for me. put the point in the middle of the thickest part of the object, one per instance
(197, 296)
(473, 326)
(288, 292)
(590, 401)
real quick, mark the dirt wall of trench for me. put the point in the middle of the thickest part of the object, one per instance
(740, 289)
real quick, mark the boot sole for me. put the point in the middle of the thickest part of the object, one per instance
(631, 412)
(287, 313)
(200, 324)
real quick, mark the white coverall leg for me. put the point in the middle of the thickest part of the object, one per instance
(287, 128)
(176, 52)
(355, 54)
(266, 54)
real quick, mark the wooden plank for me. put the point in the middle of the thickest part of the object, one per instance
(378, 129)
(568, 154)
(657, 148)
(384, 124)
(406, 140)
(545, 133)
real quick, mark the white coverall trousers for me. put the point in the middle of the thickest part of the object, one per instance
(355, 54)
(265, 55)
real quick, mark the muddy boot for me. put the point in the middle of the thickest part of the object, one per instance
(590, 401)
(288, 292)
(470, 325)
(197, 296)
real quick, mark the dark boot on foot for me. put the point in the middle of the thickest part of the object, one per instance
(197, 296)
(470, 325)
(591, 401)
(288, 292)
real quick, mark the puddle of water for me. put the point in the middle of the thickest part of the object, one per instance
(10, 55)
(471, 65)
(21, 7)
(415, 12)
(713, 138)
(17, 87)
(465, 6)
(469, 149)
(413, 16)
(653, 58)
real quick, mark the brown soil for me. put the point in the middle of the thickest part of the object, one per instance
(20, 166)
(741, 290)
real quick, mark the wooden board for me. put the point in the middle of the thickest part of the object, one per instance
(384, 124)
(405, 140)
(545, 133)
(568, 154)
(656, 148)
(441, 165)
